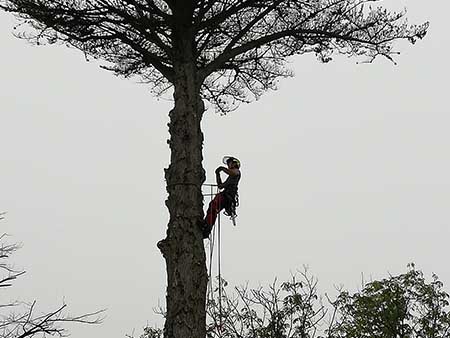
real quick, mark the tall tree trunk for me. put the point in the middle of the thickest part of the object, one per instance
(183, 247)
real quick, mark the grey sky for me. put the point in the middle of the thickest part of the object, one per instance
(345, 169)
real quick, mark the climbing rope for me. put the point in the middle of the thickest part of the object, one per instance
(212, 243)
(219, 269)
(211, 249)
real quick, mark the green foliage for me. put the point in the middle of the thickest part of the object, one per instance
(399, 306)
(402, 306)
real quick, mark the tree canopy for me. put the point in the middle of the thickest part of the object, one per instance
(406, 305)
(240, 47)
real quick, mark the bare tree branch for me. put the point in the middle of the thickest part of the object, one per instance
(21, 319)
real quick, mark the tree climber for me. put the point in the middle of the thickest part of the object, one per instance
(226, 199)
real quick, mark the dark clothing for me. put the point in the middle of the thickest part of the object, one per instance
(230, 194)
(230, 186)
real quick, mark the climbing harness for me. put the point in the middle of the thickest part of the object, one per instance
(230, 210)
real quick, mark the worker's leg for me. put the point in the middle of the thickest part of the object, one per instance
(215, 206)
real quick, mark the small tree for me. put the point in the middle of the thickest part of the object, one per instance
(18, 319)
(289, 309)
(399, 306)
(221, 51)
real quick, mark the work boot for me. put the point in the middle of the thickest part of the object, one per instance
(206, 230)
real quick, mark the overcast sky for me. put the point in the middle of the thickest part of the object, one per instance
(345, 169)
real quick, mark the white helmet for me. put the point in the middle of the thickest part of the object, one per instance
(228, 159)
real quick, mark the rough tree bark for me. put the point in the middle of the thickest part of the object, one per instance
(183, 247)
